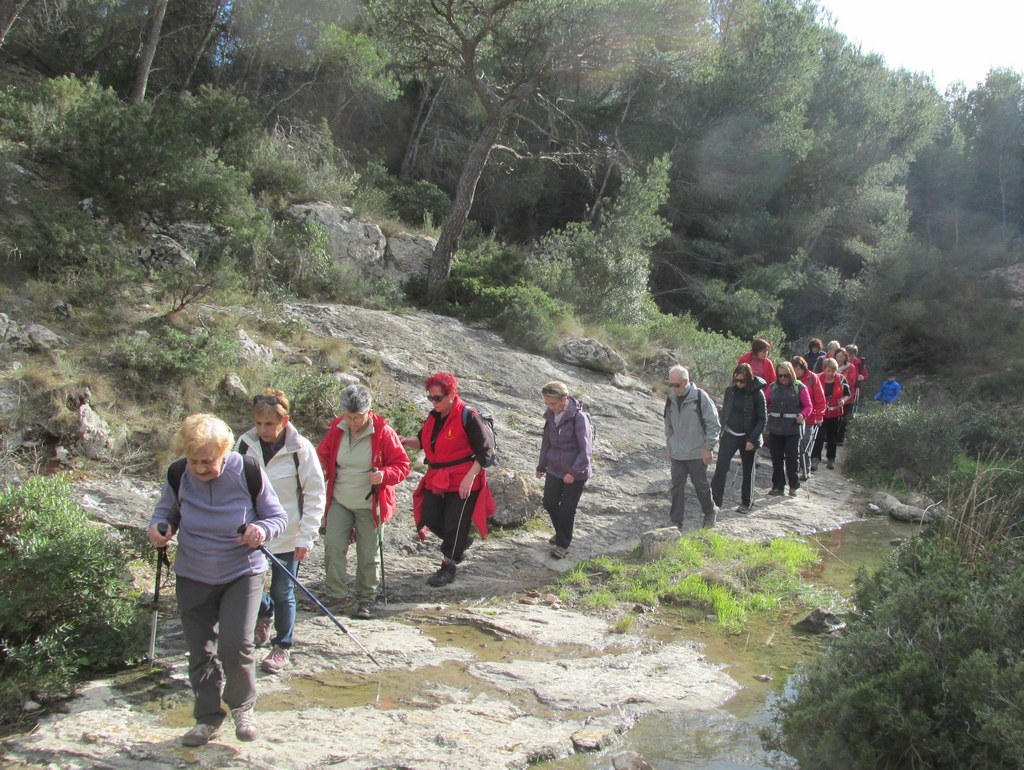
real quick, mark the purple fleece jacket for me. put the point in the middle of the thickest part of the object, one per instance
(207, 515)
(567, 446)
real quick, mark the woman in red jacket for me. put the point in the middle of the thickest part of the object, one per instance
(363, 459)
(759, 362)
(453, 493)
(837, 393)
(852, 376)
(813, 422)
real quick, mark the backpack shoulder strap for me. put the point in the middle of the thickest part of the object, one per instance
(298, 480)
(243, 447)
(700, 412)
(253, 477)
(174, 473)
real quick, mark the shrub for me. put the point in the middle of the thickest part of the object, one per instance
(72, 612)
(931, 675)
(919, 438)
(170, 356)
(418, 202)
(298, 161)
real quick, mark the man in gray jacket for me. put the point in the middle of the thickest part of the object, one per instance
(691, 431)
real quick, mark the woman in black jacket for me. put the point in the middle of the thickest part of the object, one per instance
(744, 414)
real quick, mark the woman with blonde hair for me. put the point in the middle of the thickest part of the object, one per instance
(209, 497)
(291, 464)
(565, 461)
(837, 393)
(789, 405)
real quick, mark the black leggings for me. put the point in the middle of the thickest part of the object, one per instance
(449, 517)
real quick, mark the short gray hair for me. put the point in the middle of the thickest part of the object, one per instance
(682, 371)
(355, 398)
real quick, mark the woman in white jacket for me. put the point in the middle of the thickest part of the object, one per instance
(294, 471)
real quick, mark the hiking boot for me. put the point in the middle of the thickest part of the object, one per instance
(276, 660)
(814, 465)
(794, 492)
(245, 721)
(710, 518)
(776, 492)
(443, 576)
(552, 540)
(831, 465)
(261, 636)
(559, 552)
(744, 508)
(200, 735)
(364, 611)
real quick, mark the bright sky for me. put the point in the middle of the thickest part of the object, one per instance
(948, 41)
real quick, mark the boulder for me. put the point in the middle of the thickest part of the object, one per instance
(254, 351)
(408, 255)
(902, 511)
(820, 622)
(94, 439)
(590, 354)
(163, 253)
(32, 337)
(516, 497)
(233, 386)
(655, 542)
(349, 241)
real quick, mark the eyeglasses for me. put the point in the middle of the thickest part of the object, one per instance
(675, 384)
(437, 399)
(269, 400)
(781, 376)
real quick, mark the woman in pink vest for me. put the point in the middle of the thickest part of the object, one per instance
(453, 493)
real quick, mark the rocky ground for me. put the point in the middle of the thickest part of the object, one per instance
(488, 672)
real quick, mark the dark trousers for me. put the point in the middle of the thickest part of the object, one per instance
(218, 623)
(560, 501)
(449, 517)
(828, 436)
(785, 450)
(728, 446)
(697, 472)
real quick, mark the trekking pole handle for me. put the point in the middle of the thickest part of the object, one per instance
(162, 528)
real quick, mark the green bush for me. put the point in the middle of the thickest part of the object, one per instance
(418, 202)
(930, 675)
(298, 162)
(171, 356)
(917, 438)
(67, 608)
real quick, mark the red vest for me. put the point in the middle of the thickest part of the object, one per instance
(451, 450)
(834, 403)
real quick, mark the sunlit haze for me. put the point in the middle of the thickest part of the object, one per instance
(948, 42)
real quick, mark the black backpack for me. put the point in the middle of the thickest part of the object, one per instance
(253, 477)
(243, 449)
(696, 407)
(488, 421)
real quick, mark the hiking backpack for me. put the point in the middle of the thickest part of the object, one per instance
(590, 420)
(488, 422)
(243, 449)
(696, 407)
(253, 477)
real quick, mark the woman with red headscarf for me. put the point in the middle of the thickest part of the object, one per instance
(453, 492)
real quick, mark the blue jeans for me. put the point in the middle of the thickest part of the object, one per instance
(280, 602)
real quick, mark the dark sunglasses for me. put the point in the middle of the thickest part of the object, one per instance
(271, 400)
(674, 384)
(780, 376)
(436, 399)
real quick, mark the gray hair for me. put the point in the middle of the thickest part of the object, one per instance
(681, 370)
(355, 398)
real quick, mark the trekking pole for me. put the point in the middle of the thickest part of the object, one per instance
(161, 560)
(458, 527)
(380, 541)
(277, 563)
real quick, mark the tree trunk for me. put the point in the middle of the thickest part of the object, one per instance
(205, 44)
(9, 10)
(157, 9)
(448, 242)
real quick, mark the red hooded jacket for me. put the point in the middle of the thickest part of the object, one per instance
(387, 455)
(813, 384)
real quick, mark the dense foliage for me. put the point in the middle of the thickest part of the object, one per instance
(931, 674)
(67, 608)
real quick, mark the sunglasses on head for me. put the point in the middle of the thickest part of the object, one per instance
(437, 399)
(551, 392)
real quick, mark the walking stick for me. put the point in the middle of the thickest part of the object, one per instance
(380, 542)
(161, 560)
(277, 563)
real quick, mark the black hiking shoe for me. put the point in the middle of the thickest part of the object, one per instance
(443, 576)
(777, 492)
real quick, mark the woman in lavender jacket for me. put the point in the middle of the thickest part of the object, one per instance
(219, 572)
(565, 459)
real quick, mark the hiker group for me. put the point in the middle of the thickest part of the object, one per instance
(270, 498)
